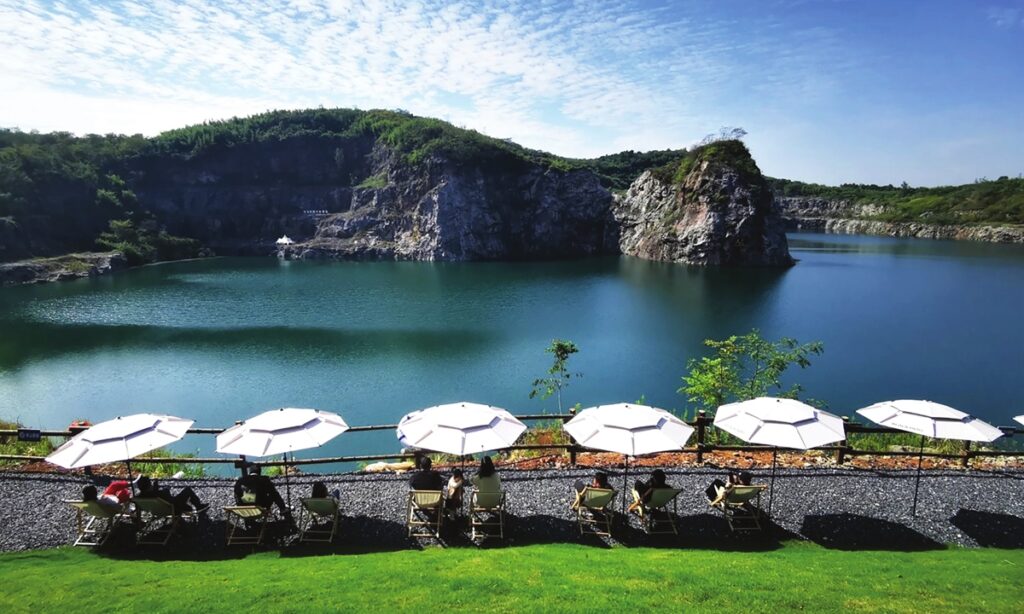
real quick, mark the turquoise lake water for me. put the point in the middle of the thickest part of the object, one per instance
(219, 340)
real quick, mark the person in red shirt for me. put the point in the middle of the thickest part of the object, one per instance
(118, 489)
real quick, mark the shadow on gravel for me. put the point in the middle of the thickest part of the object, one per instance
(989, 529)
(704, 532)
(853, 532)
(360, 535)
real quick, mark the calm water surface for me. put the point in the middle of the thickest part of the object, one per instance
(222, 339)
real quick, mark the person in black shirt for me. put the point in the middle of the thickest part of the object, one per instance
(263, 491)
(426, 478)
(186, 499)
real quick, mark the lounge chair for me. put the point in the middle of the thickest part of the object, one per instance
(316, 512)
(655, 512)
(486, 509)
(157, 520)
(594, 511)
(240, 521)
(741, 506)
(425, 513)
(94, 522)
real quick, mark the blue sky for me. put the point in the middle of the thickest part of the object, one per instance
(880, 91)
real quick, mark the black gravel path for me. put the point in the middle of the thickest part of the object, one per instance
(838, 508)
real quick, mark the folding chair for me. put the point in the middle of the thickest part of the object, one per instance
(741, 506)
(655, 511)
(94, 522)
(594, 511)
(484, 508)
(157, 520)
(315, 511)
(425, 513)
(239, 517)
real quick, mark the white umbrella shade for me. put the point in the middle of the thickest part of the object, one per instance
(1019, 418)
(930, 420)
(629, 429)
(781, 423)
(280, 431)
(784, 423)
(460, 428)
(120, 439)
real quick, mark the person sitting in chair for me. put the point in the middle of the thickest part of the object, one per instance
(185, 501)
(716, 491)
(254, 488)
(453, 492)
(487, 479)
(646, 489)
(320, 491)
(426, 478)
(600, 481)
(107, 501)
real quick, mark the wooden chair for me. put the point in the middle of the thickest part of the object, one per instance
(239, 521)
(425, 513)
(741, 506)
(94, 522)
(315, 512)
(486, 510)
(594, 511)
(655, 511)
(157, 520)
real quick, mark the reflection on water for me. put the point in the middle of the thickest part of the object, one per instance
(219, 340)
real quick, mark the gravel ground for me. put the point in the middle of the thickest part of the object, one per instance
(838, 508)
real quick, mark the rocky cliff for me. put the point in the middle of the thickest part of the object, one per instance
(345, 183)
(712, 208)
(61, 268)
(438, 209)
(815, 214)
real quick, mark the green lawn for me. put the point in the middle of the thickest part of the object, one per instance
(549, 577)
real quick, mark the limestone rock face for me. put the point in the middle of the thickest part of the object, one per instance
(815, 214)
(61, 268)
(436, 210)
(717, 215)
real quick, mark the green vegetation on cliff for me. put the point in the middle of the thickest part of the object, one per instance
(730, 153)
(60, 193)
(999, 201)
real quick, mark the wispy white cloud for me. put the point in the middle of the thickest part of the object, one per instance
(822, 86)
(578, 78)
(1006, 17)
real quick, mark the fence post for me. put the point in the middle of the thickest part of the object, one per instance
(572, 446)
(701, 422)
(841, 452)
(966, 460)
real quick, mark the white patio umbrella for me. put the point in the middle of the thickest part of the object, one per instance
(1019, 418)
(459, 428)
(780, 423)
(120, 439)
(630, 430)
(280, 431)
(929, 419)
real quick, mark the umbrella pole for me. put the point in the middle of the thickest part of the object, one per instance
(287, 482)
(771, 490)
(917, 481)
(625, 480)
(131, 482)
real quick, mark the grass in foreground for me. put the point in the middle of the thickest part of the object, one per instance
(548, 577)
